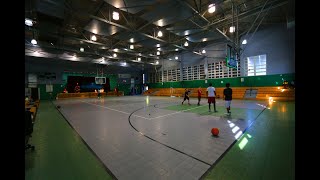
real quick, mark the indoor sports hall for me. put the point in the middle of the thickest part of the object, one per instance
(159, 89)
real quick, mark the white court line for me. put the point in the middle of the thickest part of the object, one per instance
(175, 112)
(142, 116)
(125, 104)
(115, 110)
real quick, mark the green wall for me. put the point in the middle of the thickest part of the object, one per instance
(251, 81)
(125, 88)
(57, 88)
(112, 77)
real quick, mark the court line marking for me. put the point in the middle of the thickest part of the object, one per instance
(129, 119)
(142, 116)
(113, 109)
(126, 104)
(176, 112)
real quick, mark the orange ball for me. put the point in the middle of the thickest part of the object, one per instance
(215, 131)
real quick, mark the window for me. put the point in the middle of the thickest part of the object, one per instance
(256, 65)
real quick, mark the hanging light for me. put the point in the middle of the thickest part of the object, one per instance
(157, 62)
(158, 52)
(93, 38)
(114, 55)
(176, 58)
(177, 49)
(28, 22)
(203, 51)
(159, 49)
(232, 29)
(160, 34)
(186, 43)
(82, 49)
(158, 45)
(131, 40)
(34, 42)
(139, 58)
(115, 15)
(131, 46)
(211, 8)
(244, 41)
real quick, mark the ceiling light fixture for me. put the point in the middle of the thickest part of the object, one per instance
(93, 38)
(81, 49)
(139, 59)
(131, 40)
(158, 52)
(131, 46)
(160, 34)
(203, 51)
(232, 29)
(176, 58)
(160, 22)
(159, 49)
(28, 22)
(115, 15)
(114, 55)
(186, 43)
(157, 62)
(177, 49)
(116, 50)
(244, 41)
(158, 45)
(34, 42)
(211, 8)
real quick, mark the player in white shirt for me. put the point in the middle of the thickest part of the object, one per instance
(211, 92)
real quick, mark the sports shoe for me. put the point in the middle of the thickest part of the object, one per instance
(215, 111)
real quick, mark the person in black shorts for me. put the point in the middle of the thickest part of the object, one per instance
(186, 96)
(227, 96)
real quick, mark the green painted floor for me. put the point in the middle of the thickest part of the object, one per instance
(269, 152)
(265, 151)
(59, 152)
(237, 113)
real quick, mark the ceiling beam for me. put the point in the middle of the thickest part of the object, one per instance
(194, 10)
(141, 33)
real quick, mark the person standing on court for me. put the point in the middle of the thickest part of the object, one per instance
(186, 96)
(227, 96)
(77, 88)
(199, 95)
(211, 92)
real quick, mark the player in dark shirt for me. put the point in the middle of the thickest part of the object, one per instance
(186, 96)
(227, 96)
